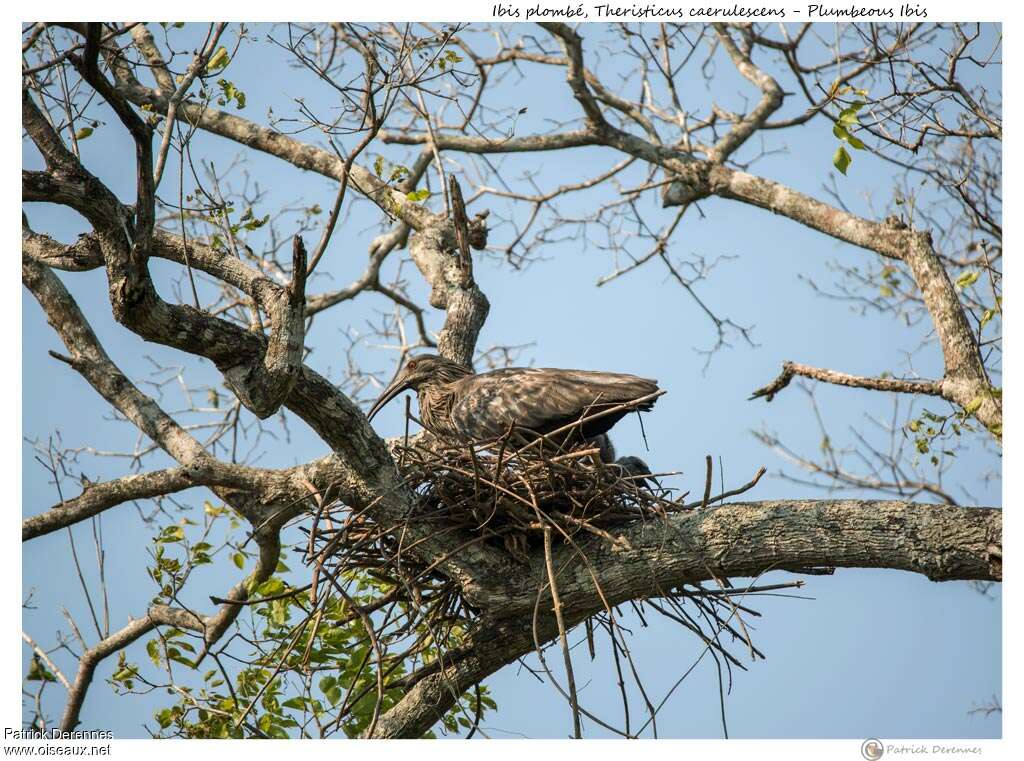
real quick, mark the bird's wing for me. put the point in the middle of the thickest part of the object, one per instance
(541, 399)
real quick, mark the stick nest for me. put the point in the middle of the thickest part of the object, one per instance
(511, 496)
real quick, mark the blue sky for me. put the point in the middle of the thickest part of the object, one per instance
(870, 653)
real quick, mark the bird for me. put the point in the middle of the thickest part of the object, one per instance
(629, 466)
(456, 403)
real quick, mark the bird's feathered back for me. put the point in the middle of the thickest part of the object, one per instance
(455, 403)
(542, 400)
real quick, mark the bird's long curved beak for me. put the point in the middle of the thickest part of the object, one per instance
(397, 386)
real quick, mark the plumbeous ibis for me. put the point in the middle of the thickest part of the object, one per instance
(457, 403)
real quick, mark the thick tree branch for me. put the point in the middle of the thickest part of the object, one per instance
(736, 540)
(944, 543)
(263, 387)
(95, 498)
(438, 255)
(965, 381)
(251, 491)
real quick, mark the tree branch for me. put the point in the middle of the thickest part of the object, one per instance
(158, 615)
(471, 144)
(96, 498)
(301, 155)
(769, 104)
(941, 542)
(791, 369)
(263, 387)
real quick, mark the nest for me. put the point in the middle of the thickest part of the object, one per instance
(510, 496)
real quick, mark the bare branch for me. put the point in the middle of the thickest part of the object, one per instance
(791, 369)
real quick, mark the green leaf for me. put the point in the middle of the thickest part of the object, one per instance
(238, 559)
(164, 718)
(969, 277)
(279, 612)
(171, 534)
(270, 587)
(218, 60)
(37, 672)
(848, 116)
(974, 405)
(333, 695)
(83, 133)
(418, 195)
(175, 655)
(256, 224)
(841, 159)
(231, 93)
(844, 134)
